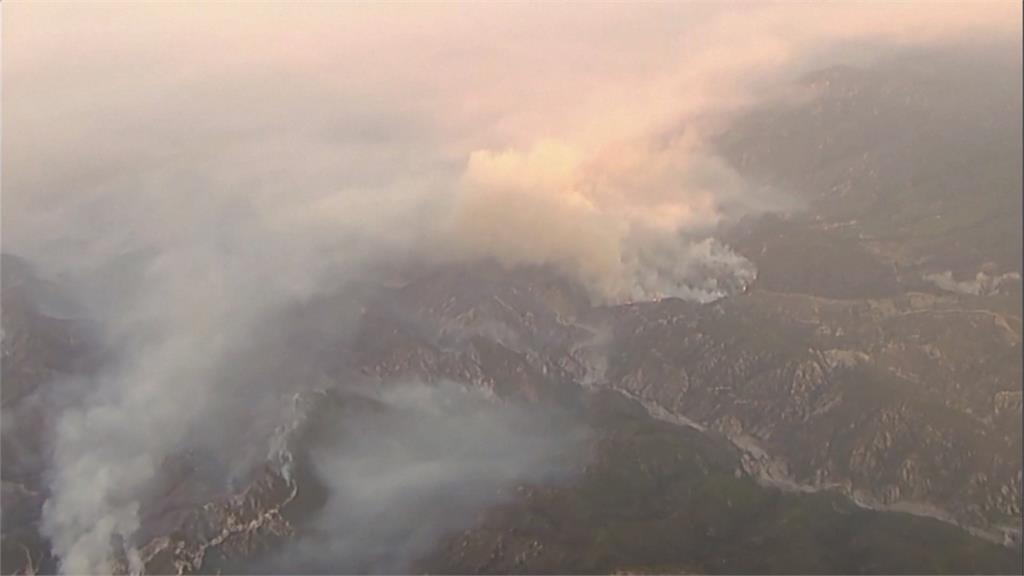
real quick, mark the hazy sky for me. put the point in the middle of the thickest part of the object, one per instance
(346, 117)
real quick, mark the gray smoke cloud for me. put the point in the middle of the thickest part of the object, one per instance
(191, 170)
(981, 284)
(420, 464)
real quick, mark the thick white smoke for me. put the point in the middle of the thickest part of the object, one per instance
(190, 169)
(614, 222)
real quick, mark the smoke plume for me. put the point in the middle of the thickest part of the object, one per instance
(424, 461)
(192, 170)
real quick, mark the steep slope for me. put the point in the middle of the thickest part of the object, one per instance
(655, 498)
(877, 399)
(917, 156)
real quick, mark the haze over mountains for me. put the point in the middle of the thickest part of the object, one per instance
(490, 296)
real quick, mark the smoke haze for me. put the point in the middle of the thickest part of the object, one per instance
(189, 170)
(425, 460)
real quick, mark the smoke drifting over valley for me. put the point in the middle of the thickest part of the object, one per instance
(188, 174)
(419, 462)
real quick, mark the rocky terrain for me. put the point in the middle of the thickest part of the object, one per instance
(715, 414)
(856, 409)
